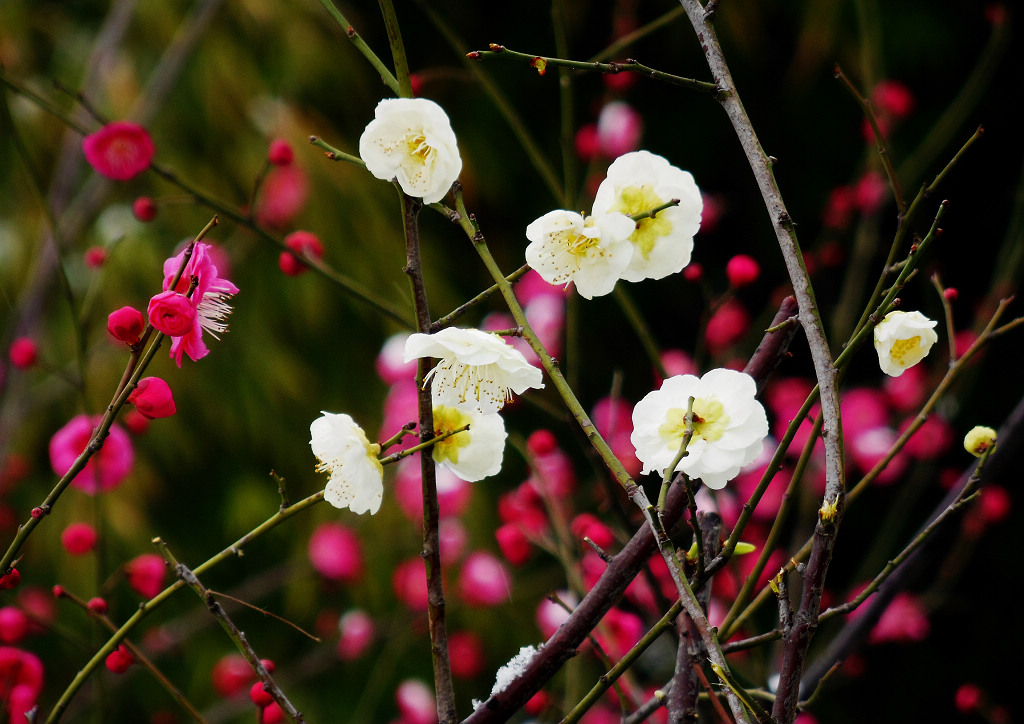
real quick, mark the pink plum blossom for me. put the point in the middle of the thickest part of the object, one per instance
(106, 468)
(335, 552)
(484, 580)
(356, 629)
(209, 299)
(119, 151)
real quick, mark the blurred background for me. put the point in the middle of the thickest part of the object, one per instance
(215, 82)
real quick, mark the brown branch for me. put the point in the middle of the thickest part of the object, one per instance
(621, 570)
(805, 620)
(431, 553)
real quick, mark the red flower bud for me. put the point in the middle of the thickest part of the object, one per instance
(126, 325)
(23, 353)
(280, 152)
(152, 397)
(119, 660)
(144, 209)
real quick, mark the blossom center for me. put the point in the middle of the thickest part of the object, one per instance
(636, 200)
(463, 378)
(213, 311)
(417, 146)
(902, 348)
(447, 419)
(709, 421)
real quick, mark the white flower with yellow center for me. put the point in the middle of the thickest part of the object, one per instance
(902, 340)
(472, 454)
(640, 181)
(411, 140)
(476, 369)
(728, 431)
(357, 478)
(591, 252)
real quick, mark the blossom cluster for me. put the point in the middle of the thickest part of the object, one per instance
(645, 214)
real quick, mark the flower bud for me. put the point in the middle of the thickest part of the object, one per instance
(280, 152)
(23, 353)
(94, 257)
(144, 209)
(119, 660)
(152, 397)
(78, 538)
(742, 270)
(304, 243)
(126, 325)
(979, 440)
(172, 313)
(145, 574)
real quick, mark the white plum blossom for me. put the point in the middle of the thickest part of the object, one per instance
(476, 369)
(640, 181)
(472, 454)
(357, 477)
(591, 252)
(411, 140)
(902, 339)
(728, 432)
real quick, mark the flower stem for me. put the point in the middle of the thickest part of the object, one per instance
(357, 40)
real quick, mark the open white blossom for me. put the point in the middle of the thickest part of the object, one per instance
(591, 252)
(476, 369)
(640, 181)
(472, 454)
(411, 140)
(357, 478)
(902, 339)
(728, 432)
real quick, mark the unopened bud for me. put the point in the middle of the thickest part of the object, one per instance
(978, 441)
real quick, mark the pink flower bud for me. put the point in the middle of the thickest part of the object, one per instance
(172, 313)
(272, 714)
(409, 582)
(78, 538)
(726, 326)
(619, 128)
(453, 537)
(23, 353)
(145, 574)
(968, 698)
(892, 98)
(693, 272)
(119, 151)
(587, 525)
(97, 605)
(126, 325)
(551, 615)
(466, 652)
(391, 365)
(678, 362)
(10, 580)
(304, 243)
(416, 703)
(152, 397)
(335, 552)
(587, 143)
(839, 209)
(542, 442)
(356, 628)
(13, 624)
(95, 257)
(119, 660)
(285, 191)
(260, 696)
(231, 674)
(742, 270)
(514, 544)
(106, 469)
(870, 192)
(144, 209)
(484, 580)
(950, 294)
(280, 152)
